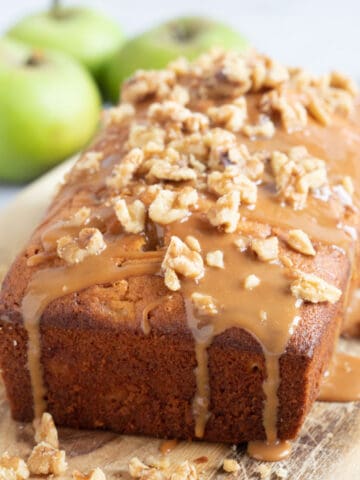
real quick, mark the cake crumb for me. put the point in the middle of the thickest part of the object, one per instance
(46, 460)
(230, 465)
(264, 470)
(95, 474)
(138, 469)
(215, 259)
(45, 430)
(185, 471)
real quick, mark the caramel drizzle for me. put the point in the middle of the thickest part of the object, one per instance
(50, 284)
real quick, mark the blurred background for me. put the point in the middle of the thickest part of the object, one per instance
(319, 35)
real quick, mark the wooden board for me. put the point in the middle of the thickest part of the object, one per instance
(327, 449)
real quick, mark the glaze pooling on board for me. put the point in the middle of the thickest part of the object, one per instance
(269, 312)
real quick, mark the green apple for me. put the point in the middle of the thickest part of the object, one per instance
(188, 36)
(86, 35)
(49, 109)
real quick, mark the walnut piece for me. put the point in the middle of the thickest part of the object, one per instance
(230, 465)
(267, 249)
(265, 128)
(169, 206)
(229, 116)
(13, 468)
(204, 304)
(130, 215)
(185, 471)
(215, 259)
(232, 179)
(179, 259)
(225, 213)
(171, 111)
(45, 430)
(119, 114)
(89, 161)
(45, 460)
(138, 469)
(251, 281)
(164, 170)
(300, 242)
(74, 250)
(193, 243)
(123, 173)
(151, 83)
(314, 289)
(95, 474)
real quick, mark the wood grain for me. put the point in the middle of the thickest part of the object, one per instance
(327, 449)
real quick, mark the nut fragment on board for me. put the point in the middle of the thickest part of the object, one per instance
(300, 241)
(46, 460)
(138, 469)
(314, 289)
(185, 471)
(266, 249)
(230, 465)
(45, 430)
(95, 474)
(13, 468)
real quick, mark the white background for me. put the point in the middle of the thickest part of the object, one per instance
(317, 34)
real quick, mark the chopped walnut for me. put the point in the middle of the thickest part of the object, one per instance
(232, 179)
(149, 138)
(230, 465)
(13, 468)
(204, 304)
(185, 471)
(225, 212)
(267, 249)
(89, 161)
(138, 469)
(45, 460)
(348, 185)
(130, 215)
(265, 128)
(251, 281)
(74, 250)
(300, 242)
(341, 81)
(318, 108)
(297, 174)
(161, 463)
(180, 94)
(181, 260)
(95, 474)
(164, 170)
(171, 111)
(45, 430)
(169, 206)
(193, 243)
(123, 172)
(119, 114)
(242, 243)
(229, 116)
(215, 259)
(292, 112)
(151, 83)
(314, 289)
(80, 217)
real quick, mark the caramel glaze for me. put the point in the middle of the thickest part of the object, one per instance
(342, 380)
(238, 307)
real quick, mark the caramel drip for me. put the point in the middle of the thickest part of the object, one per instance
(145, 324)
(269, 452)
(268, 312)
(52, 283)
(341, 382)
(352, 319)
(168, 446)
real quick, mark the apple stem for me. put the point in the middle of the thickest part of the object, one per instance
(36, 58)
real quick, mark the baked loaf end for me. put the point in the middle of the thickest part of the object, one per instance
(190, 277)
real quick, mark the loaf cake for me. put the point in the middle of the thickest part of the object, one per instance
(191, 276)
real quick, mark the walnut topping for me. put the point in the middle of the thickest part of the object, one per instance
(225, 212)
(170, 206)
(297, 174)
(204, 304)
(292, 112)
(300, 242)
(123, 173)
(242, 243)
(80, 217)
(181, 260)
(138, 469)
(45, 430)
(193, 243)
(95, 474)
(149, 138)
(171, 111)
(341, 81)
(185, 471)
(144, 84)
(314, 289)
(45, 460)
(215, 259)
(74, 250)
(230, 465)
(164, 170)
(13, 468)
(348, 185)
(266, 249)
(230, 116)
(89, 161)
(130, 215)
(265, 128)
(119, 114)
(251, 281)
(232, 179)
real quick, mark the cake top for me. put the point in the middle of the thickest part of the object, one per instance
(233, 178)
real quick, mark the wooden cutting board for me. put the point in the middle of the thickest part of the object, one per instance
(327, 449)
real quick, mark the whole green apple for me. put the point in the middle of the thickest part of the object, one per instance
(49, 109)
(154, 49)
(86, 35)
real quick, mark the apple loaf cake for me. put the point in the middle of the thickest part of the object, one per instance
(191, 276)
